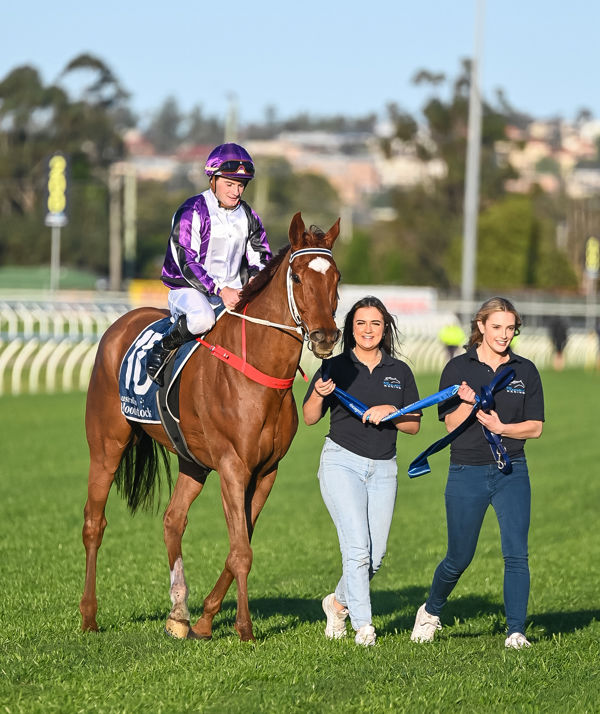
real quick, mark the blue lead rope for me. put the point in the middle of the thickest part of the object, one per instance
(425, 402)
(420, 466)
(485, 401)
(358, 408)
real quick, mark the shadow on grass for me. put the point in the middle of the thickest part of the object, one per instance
(554, 623)
(401, 604)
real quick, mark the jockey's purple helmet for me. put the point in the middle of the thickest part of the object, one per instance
(230, 160)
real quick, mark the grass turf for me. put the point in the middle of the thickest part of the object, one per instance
(47, 665)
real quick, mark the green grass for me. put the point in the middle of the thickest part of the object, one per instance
(37, 277)
(48, 665)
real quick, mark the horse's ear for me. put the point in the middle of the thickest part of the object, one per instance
(332, 234)
(297, 230)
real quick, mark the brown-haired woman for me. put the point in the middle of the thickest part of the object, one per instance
(357, 471)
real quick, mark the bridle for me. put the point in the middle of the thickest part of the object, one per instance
(300, 327)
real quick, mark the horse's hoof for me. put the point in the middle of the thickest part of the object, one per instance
(200, 631)
(245, 633)
(179, 629)
(191, 635)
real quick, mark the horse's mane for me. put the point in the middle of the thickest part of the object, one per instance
(261, 279)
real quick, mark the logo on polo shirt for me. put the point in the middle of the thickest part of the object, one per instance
(392, 383)
(517, 386)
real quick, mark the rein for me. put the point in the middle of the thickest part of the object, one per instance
(240, 363)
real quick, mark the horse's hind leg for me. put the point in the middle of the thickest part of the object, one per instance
(175, 521)
(105, 455)
(212, 604)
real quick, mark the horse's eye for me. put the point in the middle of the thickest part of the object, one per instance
(296, 278)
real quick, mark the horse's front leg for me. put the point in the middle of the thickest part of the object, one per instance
(174, 522)
(254, 503)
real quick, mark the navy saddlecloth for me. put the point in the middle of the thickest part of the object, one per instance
(136, 390)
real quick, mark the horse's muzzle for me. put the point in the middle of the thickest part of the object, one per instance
(323, 341)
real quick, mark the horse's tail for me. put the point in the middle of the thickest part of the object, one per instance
(138, 475)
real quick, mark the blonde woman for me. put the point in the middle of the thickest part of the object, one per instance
(474, 479)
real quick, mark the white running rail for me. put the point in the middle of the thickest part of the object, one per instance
(49, 346)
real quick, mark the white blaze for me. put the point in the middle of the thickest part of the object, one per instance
(320, 265)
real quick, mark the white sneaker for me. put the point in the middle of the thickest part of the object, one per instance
(336, 619)
(516, 641)
(365, 636)
(425, 626)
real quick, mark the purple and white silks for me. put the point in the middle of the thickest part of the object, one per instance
(209, 245)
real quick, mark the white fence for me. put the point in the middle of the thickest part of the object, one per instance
(50, 346)
(426, 355)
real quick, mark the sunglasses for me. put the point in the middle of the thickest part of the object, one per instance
(236, 167)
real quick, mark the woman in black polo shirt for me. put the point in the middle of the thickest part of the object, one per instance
(474, 479)
(357, 471)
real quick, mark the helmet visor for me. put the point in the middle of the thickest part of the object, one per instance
(235, 168)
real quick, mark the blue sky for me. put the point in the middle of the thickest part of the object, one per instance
(323, 57)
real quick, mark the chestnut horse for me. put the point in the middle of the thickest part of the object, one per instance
(232, 424)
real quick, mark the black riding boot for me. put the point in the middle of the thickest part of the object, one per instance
(163, 350)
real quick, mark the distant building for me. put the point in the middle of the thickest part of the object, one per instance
(552, 155)
(535, 150)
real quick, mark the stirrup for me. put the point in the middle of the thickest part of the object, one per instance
(158, 376)
(163, 350)
(154, 370)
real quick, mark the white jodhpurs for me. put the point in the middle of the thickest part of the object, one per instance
(195, 306)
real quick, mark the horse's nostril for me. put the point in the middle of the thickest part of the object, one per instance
(328, 336)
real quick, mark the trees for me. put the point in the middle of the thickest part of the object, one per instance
(36, 121)
(277, 193)
(516, 239)
(516, 248)
(84, 113)
(169, 127)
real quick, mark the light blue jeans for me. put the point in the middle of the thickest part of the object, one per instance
(360, 494)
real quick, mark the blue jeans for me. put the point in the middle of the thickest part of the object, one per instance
(360, 494)
(469, 492)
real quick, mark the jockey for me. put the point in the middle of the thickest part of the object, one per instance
(217, 244)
